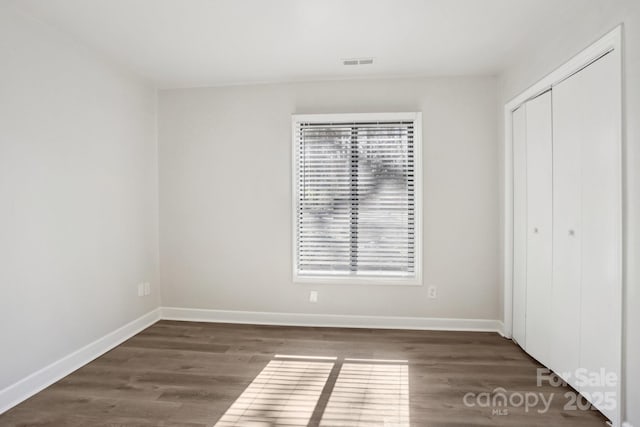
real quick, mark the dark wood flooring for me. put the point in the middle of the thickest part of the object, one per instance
(189, 374)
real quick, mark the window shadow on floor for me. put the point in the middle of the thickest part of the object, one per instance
(324, 392)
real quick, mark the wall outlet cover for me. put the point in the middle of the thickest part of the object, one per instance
(432, 292)
(313, 296)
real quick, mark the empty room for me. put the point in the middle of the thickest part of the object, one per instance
(356, 213)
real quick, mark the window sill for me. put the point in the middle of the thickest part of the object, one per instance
(357, 280)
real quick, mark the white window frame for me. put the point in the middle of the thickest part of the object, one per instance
(416, 117)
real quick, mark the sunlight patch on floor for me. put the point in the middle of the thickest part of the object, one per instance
(369, 394)
(285, 393)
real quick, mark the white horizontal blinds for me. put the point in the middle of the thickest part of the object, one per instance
(356, 204)
(324, 198)
(385, 211)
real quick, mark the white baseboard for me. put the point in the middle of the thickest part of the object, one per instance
(626, 424)
(43, 378)
(329, 320)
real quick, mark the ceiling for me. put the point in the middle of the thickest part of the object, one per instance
(189, 43)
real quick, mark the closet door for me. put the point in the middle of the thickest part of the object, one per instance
(519, 224)
(539, 226)
(587, 228)
(567, 235)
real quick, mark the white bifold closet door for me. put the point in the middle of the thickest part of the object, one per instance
(539, 226)
(519, 224)
(532, 155)
(586, 292)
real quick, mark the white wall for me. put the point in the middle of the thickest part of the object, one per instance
(225, 202)
(78, 192)
(537, 60)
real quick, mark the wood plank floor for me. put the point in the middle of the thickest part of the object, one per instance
(189, 374)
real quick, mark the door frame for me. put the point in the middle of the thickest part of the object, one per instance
(610, 43)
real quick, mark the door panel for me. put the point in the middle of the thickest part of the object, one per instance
(567, 235)
(539, 226)
(589, 114)
(519, 225)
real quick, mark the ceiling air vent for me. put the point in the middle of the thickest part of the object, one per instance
(357, 61)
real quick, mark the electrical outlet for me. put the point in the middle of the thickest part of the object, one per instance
(313, 296)
(140, 289)
(147, 288)
(432, 292)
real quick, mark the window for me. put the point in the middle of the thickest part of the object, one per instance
(356, 197)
